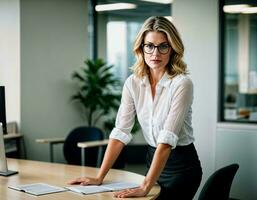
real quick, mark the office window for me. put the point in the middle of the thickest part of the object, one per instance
(120, 37)
(238, 81)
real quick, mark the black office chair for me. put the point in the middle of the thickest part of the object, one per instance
(72, 153)
(219, 183)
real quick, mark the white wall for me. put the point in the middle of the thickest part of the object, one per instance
(197, 22)
(53, 45)
(10, 56)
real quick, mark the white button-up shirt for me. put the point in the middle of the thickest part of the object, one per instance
(166, 119)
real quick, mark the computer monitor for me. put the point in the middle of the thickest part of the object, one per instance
(3, 162)
(2, 109)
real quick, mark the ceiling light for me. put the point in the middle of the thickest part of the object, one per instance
(115, 6)
(249, 10)
(234, 8)
(159, 1)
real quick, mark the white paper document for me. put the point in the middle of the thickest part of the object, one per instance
(107, 187)
(38, 188)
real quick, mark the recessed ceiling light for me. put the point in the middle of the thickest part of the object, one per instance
(234, 8)
(115, 6)
(249, 10)
(159, 1)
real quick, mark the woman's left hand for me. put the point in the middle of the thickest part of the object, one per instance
(135, 192)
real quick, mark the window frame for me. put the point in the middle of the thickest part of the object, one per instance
(221, 70)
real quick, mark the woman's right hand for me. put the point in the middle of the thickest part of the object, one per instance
(86, 181)
(112, 152)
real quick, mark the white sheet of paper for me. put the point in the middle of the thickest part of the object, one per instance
(38, 188)
(88, 189)
(106, 187)
(120, 185)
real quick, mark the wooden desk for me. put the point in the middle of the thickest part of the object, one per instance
(59, 174)
(12, 136)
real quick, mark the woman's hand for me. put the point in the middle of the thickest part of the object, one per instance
(112, 152)
(86, 181)
(135, 192)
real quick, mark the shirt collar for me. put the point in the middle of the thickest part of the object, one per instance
(165, 80)
(145, 81)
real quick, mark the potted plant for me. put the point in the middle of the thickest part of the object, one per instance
(98, 93)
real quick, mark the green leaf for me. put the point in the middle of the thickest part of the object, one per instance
(98, 90)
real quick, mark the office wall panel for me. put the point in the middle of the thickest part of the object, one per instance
(53, 44)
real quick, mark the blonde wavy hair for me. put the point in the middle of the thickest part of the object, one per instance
(176, 65)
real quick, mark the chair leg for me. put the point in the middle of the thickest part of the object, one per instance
(51, 153)
(83, 162)
(99, 156)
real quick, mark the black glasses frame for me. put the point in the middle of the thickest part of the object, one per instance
(155, 46)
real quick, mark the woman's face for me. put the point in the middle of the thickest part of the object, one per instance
(156, 58)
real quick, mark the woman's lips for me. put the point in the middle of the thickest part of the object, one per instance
(155, 61)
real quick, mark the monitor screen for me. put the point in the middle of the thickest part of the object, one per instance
(2, 109)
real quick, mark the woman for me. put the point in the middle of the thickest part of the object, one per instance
(160, 93)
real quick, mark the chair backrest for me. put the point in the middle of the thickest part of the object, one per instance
(72, 153)
(219, 183)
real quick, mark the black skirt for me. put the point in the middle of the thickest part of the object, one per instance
(181, 175)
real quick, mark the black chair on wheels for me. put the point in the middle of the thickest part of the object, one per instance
(72, 152)
(219, 183)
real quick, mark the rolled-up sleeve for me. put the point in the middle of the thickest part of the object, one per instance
(125, 117)
(168, 137)
(180, 105)
(121, 136)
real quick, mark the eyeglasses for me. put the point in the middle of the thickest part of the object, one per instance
(162, 48)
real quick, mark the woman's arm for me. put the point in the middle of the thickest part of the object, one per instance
(112, 152)
(159, 160)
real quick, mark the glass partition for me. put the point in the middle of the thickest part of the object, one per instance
(238, 81)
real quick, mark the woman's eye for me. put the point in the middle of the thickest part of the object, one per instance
(164, 46)
(149, 46)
